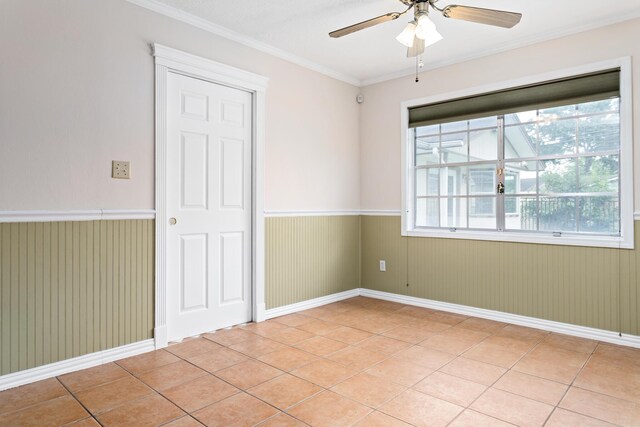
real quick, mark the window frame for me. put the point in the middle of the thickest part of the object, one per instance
(626, 238)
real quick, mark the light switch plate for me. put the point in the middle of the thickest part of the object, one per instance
(383, 265)
(120, 169)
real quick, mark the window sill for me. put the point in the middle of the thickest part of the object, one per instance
(497, 236)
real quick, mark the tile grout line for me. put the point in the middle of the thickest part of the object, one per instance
(571, 385)
(79, 403)
(468, 407)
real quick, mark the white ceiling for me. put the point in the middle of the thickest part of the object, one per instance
(298, 30)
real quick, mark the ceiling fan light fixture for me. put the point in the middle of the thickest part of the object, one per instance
(426, 30)
(407, 35)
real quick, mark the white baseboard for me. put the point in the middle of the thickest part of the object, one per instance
(260, 313)
(105, 356)
(312, 303)
(75, 364)
(160, 334)
(499, 316)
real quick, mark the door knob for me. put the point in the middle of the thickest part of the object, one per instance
(172, 221)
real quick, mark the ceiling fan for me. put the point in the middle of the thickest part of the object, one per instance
(421, 31)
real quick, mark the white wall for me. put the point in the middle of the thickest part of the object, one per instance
(77, 91)
(380, 138)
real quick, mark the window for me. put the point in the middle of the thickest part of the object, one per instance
(551, 170)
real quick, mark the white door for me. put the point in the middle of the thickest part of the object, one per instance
(209, 130)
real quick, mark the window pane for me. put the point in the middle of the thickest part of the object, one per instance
(599, 215)
(454, 126)
(427, 213)
(557, 137)
(557, 214)
(483, 145)
(599, 133)
(557, 112)
(598, 174)
(561, 170)
(521, 213)
(482, 212)
(521, 117)
(520, 141)
(612, 104)
(454, 181)
(428, 130)
(485, 122)
(520, 177)
(482, 180)
(427, 182)
(454, 147)
(453, 212)
(558, 176)
(427, 150)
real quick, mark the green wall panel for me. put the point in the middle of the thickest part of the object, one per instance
(73, 288)
(311, 256)
(595, 287)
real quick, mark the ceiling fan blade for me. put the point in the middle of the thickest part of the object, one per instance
(365, 24)
(416, 49)
(498, 18)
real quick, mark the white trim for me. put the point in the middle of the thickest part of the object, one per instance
(499, 316)
(524, 237)
(75, 215)
(503, 47)
(270, 214)
(366, 212)
(626, 162)
(636, 216)
(228, 34)
(74, 364)
(311, 303)
(382, 212)
(172, 60)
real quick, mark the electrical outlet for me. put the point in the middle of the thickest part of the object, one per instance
(383, 265)
(120, 169)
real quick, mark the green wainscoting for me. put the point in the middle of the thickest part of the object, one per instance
(311, 256)
(594, 287)
(73, 288)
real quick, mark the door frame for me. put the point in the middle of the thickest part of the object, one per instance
(169, 60)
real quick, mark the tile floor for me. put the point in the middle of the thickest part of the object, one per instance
(360, 362)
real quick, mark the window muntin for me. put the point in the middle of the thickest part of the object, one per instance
(560, 168)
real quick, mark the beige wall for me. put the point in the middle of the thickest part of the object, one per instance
(380, 138)
(77, 91)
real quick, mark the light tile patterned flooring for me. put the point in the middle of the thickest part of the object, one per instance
(361, 362)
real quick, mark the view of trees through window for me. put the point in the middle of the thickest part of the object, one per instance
(560, 169)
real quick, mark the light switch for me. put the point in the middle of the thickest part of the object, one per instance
(120, 169)
(383, 265)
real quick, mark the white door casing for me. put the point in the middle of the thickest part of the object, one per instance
(208, 205)
(196, 300)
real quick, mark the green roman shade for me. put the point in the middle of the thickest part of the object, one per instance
(574, 90)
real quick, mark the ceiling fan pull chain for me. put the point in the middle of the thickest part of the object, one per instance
(419, 66)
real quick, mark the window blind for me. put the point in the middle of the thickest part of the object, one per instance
(573, 90)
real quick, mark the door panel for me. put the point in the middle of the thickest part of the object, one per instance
(194, 279)
(209, 195)
(194, 170)
(231, 248)
(232, 173)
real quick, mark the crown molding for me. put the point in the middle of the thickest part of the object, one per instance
(518, 43)
(226, 33)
